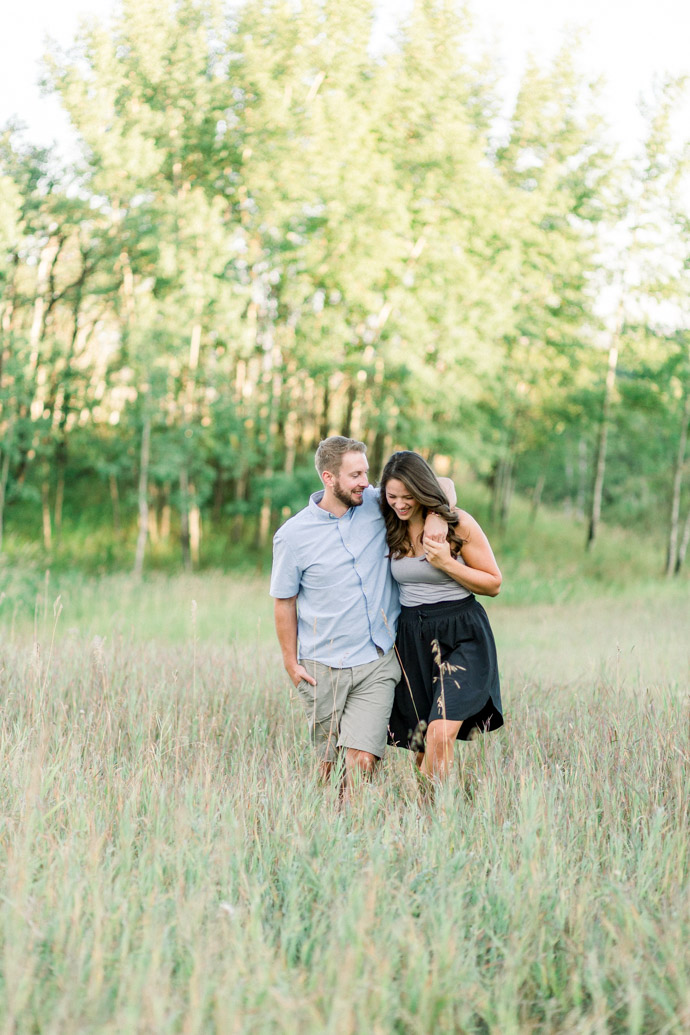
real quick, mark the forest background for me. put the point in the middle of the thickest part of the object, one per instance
(273, 231)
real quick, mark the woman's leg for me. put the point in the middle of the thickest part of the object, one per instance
(440, 743)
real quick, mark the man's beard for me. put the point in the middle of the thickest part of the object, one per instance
(345, 497)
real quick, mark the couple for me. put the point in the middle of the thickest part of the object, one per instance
(337, 603)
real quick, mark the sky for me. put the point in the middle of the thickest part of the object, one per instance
(628, 42)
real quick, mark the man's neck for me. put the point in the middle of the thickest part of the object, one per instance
(333, 505)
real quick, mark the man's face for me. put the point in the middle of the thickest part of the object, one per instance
(351, 480)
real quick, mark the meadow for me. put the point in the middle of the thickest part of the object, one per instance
(169, 862)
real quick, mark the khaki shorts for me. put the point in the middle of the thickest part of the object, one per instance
(350, 707)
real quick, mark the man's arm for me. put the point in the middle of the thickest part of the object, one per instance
(285, 614)
(435, 528)
(448, 486)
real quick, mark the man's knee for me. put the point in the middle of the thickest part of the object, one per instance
(363, 761)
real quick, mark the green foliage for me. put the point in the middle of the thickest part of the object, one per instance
(274, 233)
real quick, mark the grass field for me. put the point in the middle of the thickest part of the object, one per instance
(170, 864)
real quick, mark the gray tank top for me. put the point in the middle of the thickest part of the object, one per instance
(420, 583)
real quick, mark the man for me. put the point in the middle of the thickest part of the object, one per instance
(336, 607)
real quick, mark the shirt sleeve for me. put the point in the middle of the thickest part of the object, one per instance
(286, 574)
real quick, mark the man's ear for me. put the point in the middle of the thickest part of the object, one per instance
(327, 478)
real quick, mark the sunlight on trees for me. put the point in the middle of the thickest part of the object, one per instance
(273, 234)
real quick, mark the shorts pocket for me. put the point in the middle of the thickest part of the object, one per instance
(305, 689)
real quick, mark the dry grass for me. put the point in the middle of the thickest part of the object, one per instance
(169, 863)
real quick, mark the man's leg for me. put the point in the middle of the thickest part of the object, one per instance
(323, 705)
(359, 765)
(364, 721)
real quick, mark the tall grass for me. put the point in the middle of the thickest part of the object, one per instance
(169, 862)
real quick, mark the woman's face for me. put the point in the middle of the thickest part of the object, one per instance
(401, 500)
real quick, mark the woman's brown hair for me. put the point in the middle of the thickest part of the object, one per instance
(421, 482)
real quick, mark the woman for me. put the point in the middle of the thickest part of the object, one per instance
(445, 644)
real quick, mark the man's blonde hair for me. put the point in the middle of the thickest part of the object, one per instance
(330, 453)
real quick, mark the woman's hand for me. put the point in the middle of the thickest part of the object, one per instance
(437, 553)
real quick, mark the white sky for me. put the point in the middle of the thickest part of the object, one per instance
(628, 42)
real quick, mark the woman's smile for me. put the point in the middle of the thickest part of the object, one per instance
(401, 500)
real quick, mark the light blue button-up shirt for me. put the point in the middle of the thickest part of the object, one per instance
(347, 601)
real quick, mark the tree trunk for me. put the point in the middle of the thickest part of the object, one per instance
(265, 514)
(240, 378)
(60, 465)
(59, 500)
(237, 526)
(49, 256)
(497, 489)
(672, 551)
(502, 488)
(115, 501)
(376, 455)
(536, 495)
(684, 543)
(569, 483)
(349, 409)
(218, 496)
(507, 497)
(6, 311)
(325, 410)
(195, 337)
(598, 487)
(45, 509)
(582, 478)
(143, 498)
(164, 525)
(4, 476)
(194, 527)
(153, 520)
(290, 437)
(184, 519)
(273, 375)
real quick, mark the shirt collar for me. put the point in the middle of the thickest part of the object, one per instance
(320, 513)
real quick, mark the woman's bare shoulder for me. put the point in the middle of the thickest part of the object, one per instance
(466, 524)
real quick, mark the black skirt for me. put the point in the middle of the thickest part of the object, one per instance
(450, 670)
